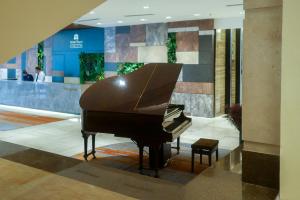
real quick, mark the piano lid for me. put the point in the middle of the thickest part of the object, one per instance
(145, 91)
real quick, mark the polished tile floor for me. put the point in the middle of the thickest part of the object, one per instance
(37, 165)
(64, 137)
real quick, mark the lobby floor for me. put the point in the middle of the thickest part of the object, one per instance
(37, 165)
(64, 137)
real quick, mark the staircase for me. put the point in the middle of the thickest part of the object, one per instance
(24, 23)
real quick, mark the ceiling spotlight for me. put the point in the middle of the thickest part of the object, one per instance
(99, 23)
(92, 12)
(168, 17)
(120, 22)
(146, 7)
(197, 15)
(142, 20)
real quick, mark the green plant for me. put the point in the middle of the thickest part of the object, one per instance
(91, 66)
(171, 45)
(126, 68)
(40, 55)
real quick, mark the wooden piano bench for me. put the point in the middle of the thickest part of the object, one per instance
(206, 147)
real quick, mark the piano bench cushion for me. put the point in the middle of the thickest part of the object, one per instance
(205, 144)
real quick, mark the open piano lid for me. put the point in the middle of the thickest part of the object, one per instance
(145, 91)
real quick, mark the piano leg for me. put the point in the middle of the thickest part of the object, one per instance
(178, 145)
(141, 158)
(93, 146)
(85, 137)
(156, 152)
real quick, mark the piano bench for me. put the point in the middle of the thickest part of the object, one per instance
(206, 147)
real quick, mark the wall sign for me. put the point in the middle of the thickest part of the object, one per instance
(76, 43)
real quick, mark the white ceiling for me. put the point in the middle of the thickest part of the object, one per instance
(111, 12)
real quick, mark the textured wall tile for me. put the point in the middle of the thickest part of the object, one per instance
(31, 61)
(127, 54)
(198, 73)
(138, 34)
(140, 44)
(180, 76)
(202, 105)
(152, 54)
(122, 41)
(199, 105)
(122, 29)
(156, 34)
(187, 57)
(180, 98)
(207, 24)
(110, 40)
(194, 88)
(48, 60)
(187, 41)
(110, 57)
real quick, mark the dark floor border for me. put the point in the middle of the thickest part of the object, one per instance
(261, 169)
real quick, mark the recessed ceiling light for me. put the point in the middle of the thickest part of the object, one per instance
(142, 20)
(120, 22)
(168, 17)
(99, 23)
(146, 7)
(197, 15)
(92, 12)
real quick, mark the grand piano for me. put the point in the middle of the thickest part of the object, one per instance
(136, 106)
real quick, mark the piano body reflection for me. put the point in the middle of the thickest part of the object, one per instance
(136, 106)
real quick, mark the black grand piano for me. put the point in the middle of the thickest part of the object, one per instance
(136, 106)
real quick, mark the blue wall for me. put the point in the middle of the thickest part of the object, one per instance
(65, 58)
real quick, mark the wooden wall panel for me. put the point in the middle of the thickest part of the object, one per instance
(220, 73)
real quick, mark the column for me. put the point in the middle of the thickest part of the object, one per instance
(261, 91)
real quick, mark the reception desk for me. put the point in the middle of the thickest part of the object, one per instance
(58, 97)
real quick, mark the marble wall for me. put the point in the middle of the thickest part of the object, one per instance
(147, 44)
(56, 97)
(195, 104)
